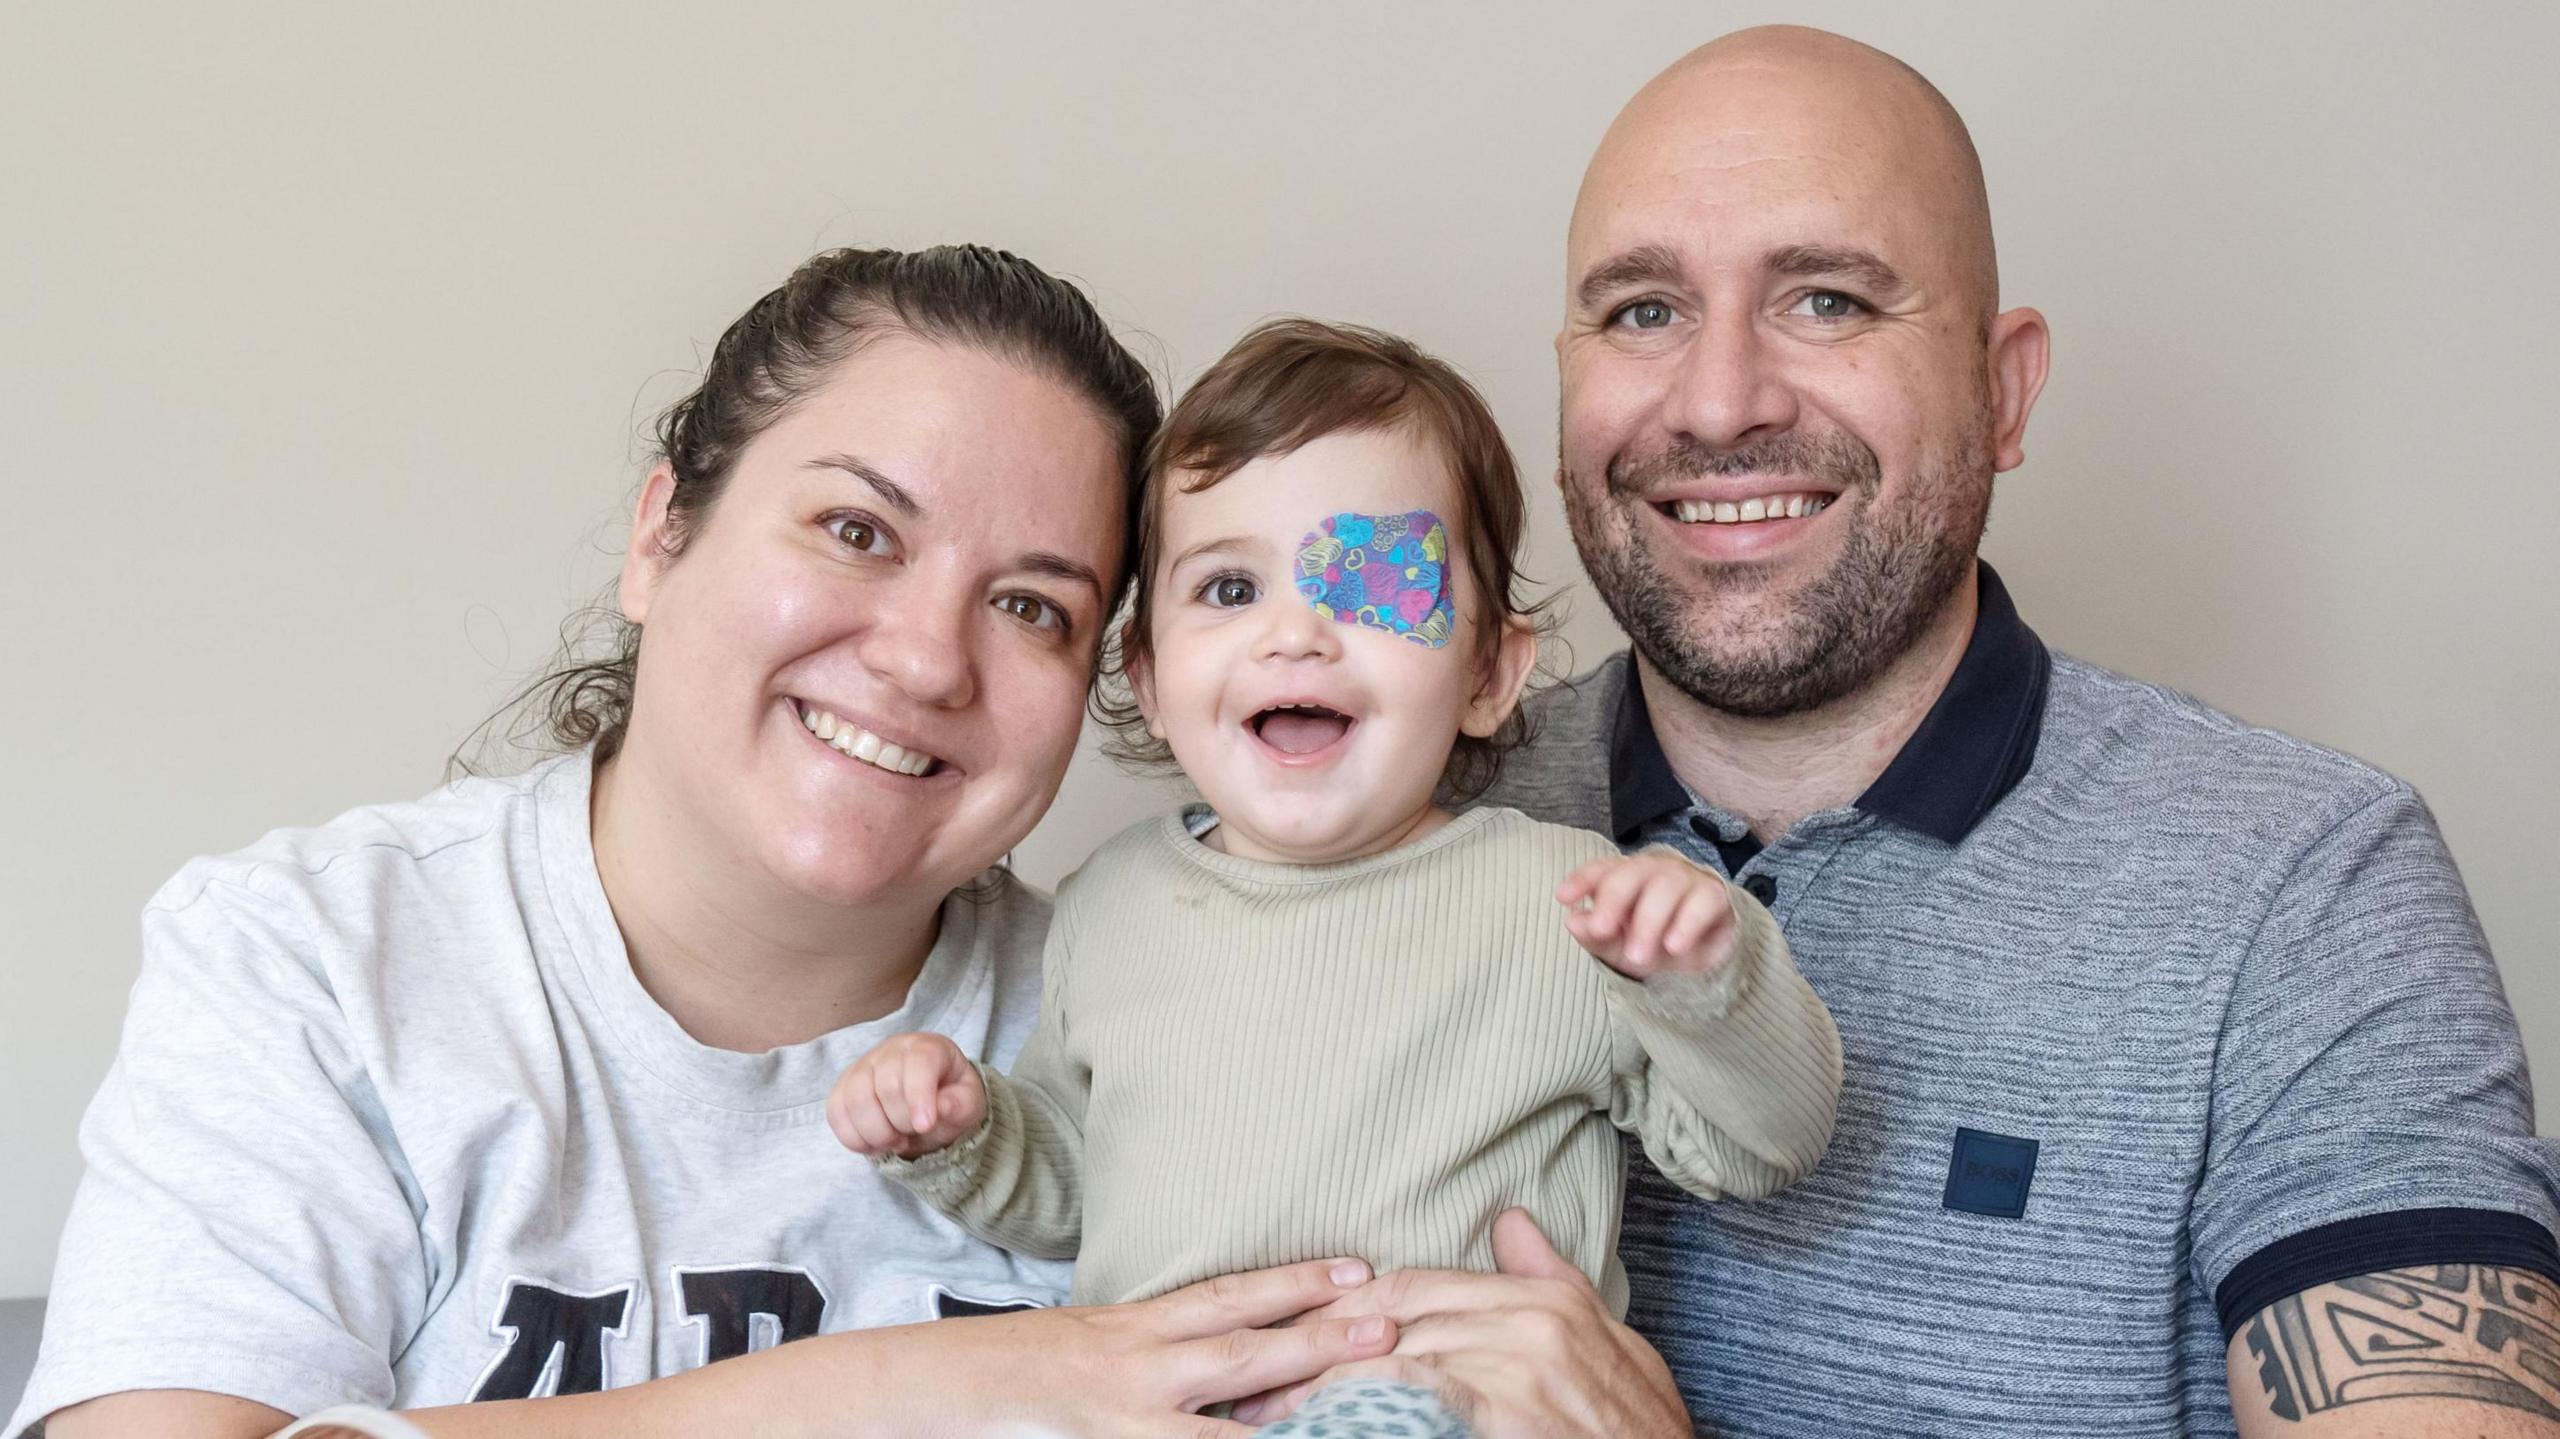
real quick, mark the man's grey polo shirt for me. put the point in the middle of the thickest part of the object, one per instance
(2152, 1018)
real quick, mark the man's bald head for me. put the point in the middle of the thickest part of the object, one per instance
(1785, 389)
(1848, 116)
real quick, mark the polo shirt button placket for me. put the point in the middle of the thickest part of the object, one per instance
(1762, 888)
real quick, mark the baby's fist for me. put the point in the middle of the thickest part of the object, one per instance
(912, 1095)
(1649, 913)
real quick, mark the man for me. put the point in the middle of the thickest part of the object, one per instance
(2182, 1096)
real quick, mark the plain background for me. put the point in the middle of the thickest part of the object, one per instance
(329, 332)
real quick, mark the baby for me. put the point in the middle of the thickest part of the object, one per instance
(1324, 1015)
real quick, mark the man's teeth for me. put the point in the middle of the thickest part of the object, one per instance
(1772, 507)
(862, 744)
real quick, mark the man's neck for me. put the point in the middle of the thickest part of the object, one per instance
(737, 960)
(1773, 772)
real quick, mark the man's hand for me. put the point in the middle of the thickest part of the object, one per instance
(912, 1095)
(1530, 1353)
(1649, 913)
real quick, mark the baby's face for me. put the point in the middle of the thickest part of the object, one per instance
(1316, 737)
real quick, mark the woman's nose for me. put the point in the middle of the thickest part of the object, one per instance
(924, 648)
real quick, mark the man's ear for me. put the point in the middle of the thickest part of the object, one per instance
(2021, 350)
(646, 556)
(1142, 677)
(1500, 679)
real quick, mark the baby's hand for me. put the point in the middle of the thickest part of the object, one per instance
(1650, 913)
(912, 1095)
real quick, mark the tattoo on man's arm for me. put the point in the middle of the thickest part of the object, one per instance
(2447, 1331)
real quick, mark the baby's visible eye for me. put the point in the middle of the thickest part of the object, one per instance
(1228, 592)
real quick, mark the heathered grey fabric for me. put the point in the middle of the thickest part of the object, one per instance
(2229, 981)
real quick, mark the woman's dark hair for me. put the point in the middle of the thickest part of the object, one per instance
(1287, 383)
(781, 350)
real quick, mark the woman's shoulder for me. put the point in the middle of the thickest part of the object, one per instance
(372, 879)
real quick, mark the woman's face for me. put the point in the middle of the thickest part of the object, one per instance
(915, 559)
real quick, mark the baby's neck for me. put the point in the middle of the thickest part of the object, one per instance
(1227, 838)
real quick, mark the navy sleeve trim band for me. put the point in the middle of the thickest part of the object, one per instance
(2402, 1239)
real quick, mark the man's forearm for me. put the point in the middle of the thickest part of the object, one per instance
(2450, 1349)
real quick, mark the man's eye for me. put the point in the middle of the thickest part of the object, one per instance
(1829, 305)
(860, 533)
(1033, 611)
(1229, 592)
(1645, 315)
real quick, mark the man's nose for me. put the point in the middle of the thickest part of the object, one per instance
(1729, 390)
(926, 648)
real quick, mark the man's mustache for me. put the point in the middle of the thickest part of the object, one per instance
(1834, 457)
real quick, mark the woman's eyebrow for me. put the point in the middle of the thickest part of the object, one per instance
(1058, 566)
(890, 490)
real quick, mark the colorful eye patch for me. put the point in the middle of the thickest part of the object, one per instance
(1388, 572)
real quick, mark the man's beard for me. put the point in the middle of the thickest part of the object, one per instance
(1896, 571)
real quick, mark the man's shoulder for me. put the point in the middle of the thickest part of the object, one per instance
(1560, 773)
(2111, 737)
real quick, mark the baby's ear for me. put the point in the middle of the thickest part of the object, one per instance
(1501, 676)
(1142, 678)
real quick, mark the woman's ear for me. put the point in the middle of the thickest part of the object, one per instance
(644, 558)
(1501, 678)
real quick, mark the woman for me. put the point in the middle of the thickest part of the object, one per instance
(514, 1095)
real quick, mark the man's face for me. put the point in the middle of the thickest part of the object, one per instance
(1777, 426)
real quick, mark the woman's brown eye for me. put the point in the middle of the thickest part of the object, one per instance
(1034, 611)
(855, 533)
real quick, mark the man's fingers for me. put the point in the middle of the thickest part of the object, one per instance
(1249, 1361)
(1521, 1250)
(1251, 1299)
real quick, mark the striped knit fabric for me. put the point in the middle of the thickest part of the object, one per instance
(1242, 1064)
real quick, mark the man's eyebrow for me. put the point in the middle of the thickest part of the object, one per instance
(890, 490)
(1058, 566)
(1864, 268)
(1643, 265)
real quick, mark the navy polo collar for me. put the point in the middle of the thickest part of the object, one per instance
(1971, 749)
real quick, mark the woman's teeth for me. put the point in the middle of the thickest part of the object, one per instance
(1772, 507)
(862, 744)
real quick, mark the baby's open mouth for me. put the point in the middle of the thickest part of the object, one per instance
(1300, 728)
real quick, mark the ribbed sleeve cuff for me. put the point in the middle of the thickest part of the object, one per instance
(2401, 1239)
(945, 1177)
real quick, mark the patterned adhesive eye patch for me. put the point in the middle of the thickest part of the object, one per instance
(1388, 572)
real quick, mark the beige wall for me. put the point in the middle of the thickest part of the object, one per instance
(327, 329)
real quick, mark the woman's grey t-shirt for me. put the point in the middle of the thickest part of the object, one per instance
(393, 1122)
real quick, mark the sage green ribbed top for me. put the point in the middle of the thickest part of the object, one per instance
(1240, 1064)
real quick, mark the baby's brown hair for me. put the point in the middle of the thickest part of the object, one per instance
(1292, 381)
